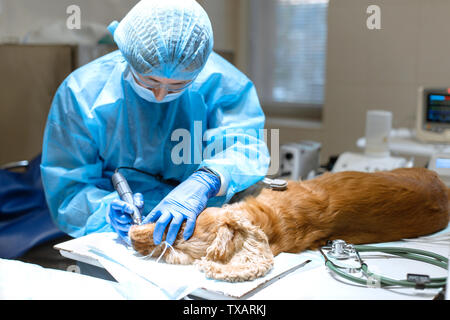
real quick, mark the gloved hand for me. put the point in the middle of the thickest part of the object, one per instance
(120, 215)
(185, 202)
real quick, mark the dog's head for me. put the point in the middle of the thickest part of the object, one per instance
(240, 250)
(182, 251)
(225, 245)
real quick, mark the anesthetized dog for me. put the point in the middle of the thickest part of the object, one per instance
(238, 242)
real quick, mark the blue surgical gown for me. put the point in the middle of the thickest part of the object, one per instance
(97, 123)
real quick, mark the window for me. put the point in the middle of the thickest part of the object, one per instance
(287, 53)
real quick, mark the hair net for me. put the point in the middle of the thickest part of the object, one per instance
(168, 39)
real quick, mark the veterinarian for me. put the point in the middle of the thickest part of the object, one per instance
(130, 108)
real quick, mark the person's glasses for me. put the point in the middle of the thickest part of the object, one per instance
(153, 84)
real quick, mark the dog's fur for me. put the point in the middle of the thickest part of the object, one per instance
(238, 241)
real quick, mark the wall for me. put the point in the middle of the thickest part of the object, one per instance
(27, 87)
(17, 17)
(378, 69)
(224, 19)
(20, 16)
(369, 69)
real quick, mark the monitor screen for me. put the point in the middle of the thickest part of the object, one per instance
(442, 163)
(438, 108)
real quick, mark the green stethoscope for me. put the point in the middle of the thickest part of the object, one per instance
(339, 250)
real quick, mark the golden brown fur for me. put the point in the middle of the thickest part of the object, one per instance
(238, 241)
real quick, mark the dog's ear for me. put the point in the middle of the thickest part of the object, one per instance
(223, 246)
(240, 251)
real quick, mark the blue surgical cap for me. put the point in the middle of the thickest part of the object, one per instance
(165, 38)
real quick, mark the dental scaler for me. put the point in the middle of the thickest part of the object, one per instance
(123, 189)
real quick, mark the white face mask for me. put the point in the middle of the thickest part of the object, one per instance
(147, 94)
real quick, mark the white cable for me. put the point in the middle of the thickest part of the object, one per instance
(151, 253)
(164, 251)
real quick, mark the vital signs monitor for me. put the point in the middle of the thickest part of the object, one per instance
(433, 115)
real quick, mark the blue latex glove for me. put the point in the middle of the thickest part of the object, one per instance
(185, 202)
(120, 215)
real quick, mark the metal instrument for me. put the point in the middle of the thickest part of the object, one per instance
(344, 260)
(123, 189)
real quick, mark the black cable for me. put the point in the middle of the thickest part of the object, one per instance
(158, 177)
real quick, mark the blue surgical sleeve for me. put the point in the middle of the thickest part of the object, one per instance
(236, 148)
(77, 194)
